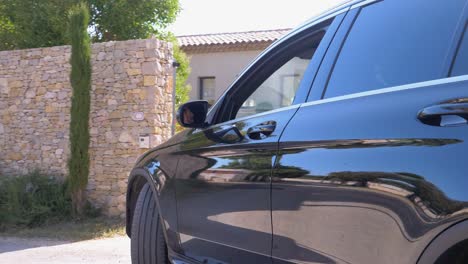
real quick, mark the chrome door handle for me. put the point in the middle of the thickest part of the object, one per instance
(452, 114)
(262, 130)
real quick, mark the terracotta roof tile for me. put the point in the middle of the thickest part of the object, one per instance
(234, 38)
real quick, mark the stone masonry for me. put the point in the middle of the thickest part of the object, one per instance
(131, 97)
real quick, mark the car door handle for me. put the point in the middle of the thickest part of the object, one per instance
(262, 130)
(451, 114)
(227, 134)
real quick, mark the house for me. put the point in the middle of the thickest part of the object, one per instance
(217, 59)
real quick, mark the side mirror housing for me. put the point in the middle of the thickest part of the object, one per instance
(193, 114)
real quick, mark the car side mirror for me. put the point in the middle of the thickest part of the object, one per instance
(193, 114)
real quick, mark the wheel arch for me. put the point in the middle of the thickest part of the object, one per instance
(444, 242)
(137, 179)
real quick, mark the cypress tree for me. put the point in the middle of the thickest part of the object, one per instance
(80, 78)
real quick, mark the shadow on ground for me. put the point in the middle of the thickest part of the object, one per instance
(9, 244)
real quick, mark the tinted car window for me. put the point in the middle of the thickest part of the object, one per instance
(279, 89)
(460, 66)
(277, 76)
(395, 42)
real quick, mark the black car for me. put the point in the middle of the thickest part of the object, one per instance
(346, 141)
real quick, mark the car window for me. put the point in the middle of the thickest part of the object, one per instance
(279, 89)
(275, 80)
(393, 43)
(460, 67)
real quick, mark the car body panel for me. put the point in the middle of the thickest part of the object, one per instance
(371, 181)
(157, 168)
(223, 192)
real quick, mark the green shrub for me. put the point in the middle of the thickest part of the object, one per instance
(32, 200)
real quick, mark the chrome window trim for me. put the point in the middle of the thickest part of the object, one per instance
(364, 3)
(410, 86)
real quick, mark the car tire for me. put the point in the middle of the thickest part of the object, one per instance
(148, 245)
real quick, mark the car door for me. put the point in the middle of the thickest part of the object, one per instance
(373, 166)
(223, 176)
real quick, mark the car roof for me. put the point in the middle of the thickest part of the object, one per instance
(343, 5)
(340, 7)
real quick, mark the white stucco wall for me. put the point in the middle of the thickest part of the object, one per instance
(224, 66)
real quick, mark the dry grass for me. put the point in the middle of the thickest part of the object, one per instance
(93, 228)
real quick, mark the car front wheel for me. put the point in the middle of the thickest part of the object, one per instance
(148, 245)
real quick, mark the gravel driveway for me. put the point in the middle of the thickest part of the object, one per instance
(42, 251)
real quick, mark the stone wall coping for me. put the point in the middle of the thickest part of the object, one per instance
(150, 43)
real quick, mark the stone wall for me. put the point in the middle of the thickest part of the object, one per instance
(131, 97)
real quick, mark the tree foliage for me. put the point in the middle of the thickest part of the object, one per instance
(80, 79)
(131, 19)
(32, 23)
(7, 30)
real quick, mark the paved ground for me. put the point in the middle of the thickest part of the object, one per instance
(42, 251)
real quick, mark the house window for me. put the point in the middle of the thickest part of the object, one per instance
(207, 89)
